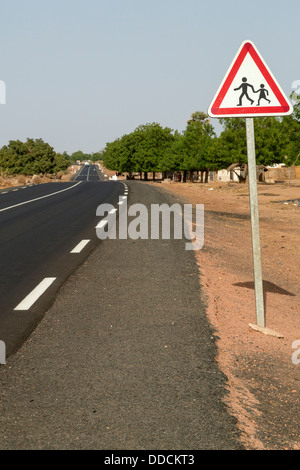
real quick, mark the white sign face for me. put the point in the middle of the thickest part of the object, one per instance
(249, 89)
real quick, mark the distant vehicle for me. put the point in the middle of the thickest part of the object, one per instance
(87, 164)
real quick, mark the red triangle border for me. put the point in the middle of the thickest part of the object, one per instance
(284, 105)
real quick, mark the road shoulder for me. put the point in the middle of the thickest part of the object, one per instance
(125, 358)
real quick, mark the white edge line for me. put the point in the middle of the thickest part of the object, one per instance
(78, 248)
(35, 294)
(38, 198)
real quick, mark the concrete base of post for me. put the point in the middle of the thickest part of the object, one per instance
(266, 331)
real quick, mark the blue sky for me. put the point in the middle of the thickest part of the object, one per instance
(80, 73)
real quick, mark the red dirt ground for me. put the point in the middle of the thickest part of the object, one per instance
(263, 379)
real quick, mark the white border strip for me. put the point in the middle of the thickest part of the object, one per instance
(35, 294)
(2, 353)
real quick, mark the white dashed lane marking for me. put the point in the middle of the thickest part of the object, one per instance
(35, 294)
(102, 224)
(78, 248)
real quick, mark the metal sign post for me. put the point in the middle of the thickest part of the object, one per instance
(250, 90)
(257, 267)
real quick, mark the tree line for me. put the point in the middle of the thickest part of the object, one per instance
(153, 148)
(37, 157)
(31, 157)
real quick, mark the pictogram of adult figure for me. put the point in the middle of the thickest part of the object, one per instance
(263, 93)
(245, 86)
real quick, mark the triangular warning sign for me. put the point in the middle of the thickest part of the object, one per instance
(249, 89)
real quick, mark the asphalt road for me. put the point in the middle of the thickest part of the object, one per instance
(125, 358)
(89, 174)
(40, 226)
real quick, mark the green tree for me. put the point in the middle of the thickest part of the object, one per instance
(196, 142)
(117, 155)
(40, 157)
(61, 163)
(143, 150)
(31, 157)
(96, 156)
(231, 146)
(153, 143)
(173, 155)
(271, 141)
(78, 155)
(291, 134)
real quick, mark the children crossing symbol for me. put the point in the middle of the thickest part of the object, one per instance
(244, 86)
(263, 93)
